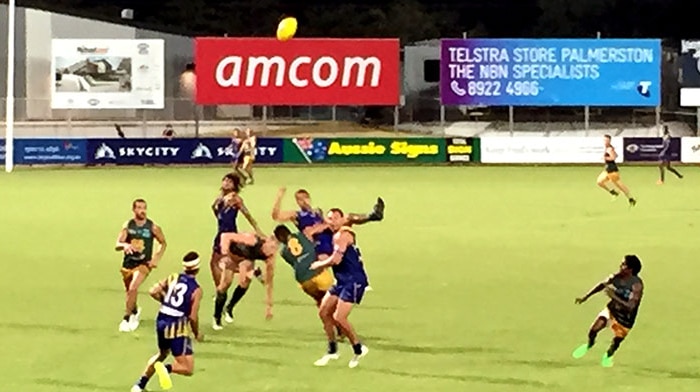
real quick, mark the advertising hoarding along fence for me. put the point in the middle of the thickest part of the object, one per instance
(546, 149)
(460, 149)
(690, 150)
(647, 149)
(550, 72)
(265, 71)
(689, 61)
(108, 74)
(50, 151)
(175, 151)
(364, 150)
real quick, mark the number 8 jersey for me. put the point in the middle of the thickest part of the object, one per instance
(299, 252)
(175, 308)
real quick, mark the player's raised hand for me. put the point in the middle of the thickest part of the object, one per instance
(282, 190)
(129, 249)
(579, 301)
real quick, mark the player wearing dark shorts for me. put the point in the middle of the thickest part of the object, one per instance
(136, 241)
(665, 157)
(226, 208)
(179, 296)
(350, 286)
(241, 250)
(625, 289)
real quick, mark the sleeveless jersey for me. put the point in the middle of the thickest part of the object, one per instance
(248, 252)
(350, 269)
(623, 289)
(226, 217)
(610, 165)
(235, 148)
(323, 240)
(299, 252)
(175, 308)
(141, 239)
(248, 147)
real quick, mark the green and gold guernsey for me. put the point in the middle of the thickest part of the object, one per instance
(141, 239)
(300, 252)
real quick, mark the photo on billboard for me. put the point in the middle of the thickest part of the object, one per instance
(108, 74)
(689, 72)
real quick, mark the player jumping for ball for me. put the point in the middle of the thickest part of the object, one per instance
(179, 296)
(625, 289)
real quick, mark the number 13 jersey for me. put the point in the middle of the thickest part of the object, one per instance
(175, 308)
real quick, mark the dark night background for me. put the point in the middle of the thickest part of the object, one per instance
(411, 20)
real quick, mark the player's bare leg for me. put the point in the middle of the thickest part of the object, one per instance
(608, 357)
(603, 183)
(666, 165)
(248, 169)
(622, 187)
(223, 284)
(149, 371)
(341, 314)
(325, 312)
(182, 365)
(597, 326)
(131, 322)
(245, 272)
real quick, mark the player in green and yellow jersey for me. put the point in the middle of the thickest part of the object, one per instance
(136, 241)
(299, 252)
(611, 173)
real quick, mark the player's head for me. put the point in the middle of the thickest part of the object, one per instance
(231, 183)
(138, 206)
(303, 199)
(190, 263)
(236, 133)
(666, 131)
(282, 233)
(607, 139)
(248, 132)
(631, 265)
(335, 218)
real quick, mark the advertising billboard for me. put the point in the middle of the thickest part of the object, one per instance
(265, 71)
(108, 74)
(550, 72)
(689, 61)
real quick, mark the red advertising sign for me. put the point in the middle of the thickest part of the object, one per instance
(265, 71)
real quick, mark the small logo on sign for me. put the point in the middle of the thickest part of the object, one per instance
(644, 88)
(632, 148)
(201, 151)
(104, 152)
(93, 102)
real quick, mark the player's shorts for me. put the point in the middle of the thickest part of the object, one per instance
(351, 292)
(248, 159)
(619, 330)
(318, 285)
(225, 263)
(128, 273)
(609, 176)
(178, 346)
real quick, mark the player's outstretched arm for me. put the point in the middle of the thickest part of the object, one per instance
(194, 313)
(311, 231)
(214, 205)
(249, 217)
(341, 241)
(595, 290)
(277, 214)
(162, 244)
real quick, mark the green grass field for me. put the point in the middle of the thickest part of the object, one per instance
(474, 270)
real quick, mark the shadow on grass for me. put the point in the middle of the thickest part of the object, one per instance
(511, 381)
(661, 373)
(310, 304)
(47, 328)
(218, 355)
(52, 382)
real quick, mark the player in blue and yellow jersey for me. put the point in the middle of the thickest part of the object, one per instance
(665, 157)
(241, 250)
(135, 240)
(236, 149)
(311, 222)
(350, 286)
(179, 296)
(226, 208)
(625, 289)
(611, 173)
